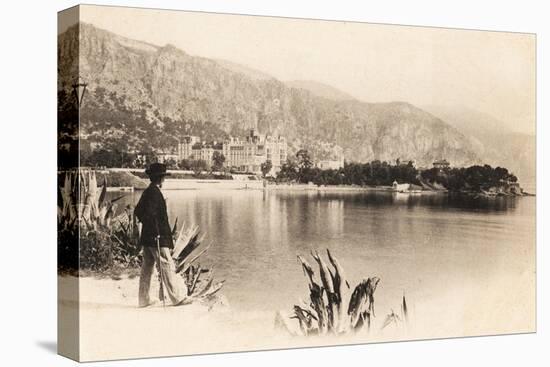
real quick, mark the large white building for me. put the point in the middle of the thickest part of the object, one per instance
(241, 154)
(185, 147)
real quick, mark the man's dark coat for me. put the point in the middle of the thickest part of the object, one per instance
(151, 212)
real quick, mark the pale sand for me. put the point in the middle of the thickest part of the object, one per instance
(112, 327)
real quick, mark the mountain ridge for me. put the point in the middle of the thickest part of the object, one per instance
(164, 91)
(321, 90)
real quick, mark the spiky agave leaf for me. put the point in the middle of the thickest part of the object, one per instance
(93, 195)
(339, 277)
(332, 299)
(175, 228)
(185, 239)
(341, 293)
(324, 273)
(305, 318)
(181, 266)
(196, 275)
(212, 290)
(202, 282)
(66, 192)
(371, 287)
(193, 243)
(357, 302)
(110, 214)
(307, 269)
(103, 193)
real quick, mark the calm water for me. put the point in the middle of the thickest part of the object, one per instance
(423, 245)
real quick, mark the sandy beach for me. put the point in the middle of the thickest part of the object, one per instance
(113, 327)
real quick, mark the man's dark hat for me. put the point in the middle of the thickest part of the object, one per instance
(156, 170)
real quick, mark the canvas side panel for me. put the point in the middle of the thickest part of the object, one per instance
(68, 328)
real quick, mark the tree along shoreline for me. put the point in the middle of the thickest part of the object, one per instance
(376, 175)
(476, 179)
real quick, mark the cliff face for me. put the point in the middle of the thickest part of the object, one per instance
(165, 88)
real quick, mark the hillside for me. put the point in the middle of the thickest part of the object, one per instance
(492, 140)
(245, 70)
(320, 90)
(144, 96)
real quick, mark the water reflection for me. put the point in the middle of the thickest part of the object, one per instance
(431, 200)
(406, 239)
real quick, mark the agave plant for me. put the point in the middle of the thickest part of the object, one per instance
(125, 231)
(331, 308)
(187, 251)
(82, 203)
(88, 238)
(67, 223)
(67, 207)
(188, 248)
(96, 211)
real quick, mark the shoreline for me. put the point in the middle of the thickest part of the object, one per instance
(209, 184)
(246, 182)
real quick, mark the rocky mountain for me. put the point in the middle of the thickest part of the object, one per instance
(245, 70)
(491, 140)
(321, 90)
(143, 95)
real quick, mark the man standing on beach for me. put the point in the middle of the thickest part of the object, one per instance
(156, 240)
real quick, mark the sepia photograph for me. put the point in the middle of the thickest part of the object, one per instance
(234, 183)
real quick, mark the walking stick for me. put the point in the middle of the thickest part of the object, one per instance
(160, 273)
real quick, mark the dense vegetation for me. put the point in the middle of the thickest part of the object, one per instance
(377, 173)
(473, 178)
(114, 135)
(90, 234)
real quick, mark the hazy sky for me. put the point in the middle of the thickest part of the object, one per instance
(492, 72)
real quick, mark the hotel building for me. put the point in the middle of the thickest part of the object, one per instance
(241, 154)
